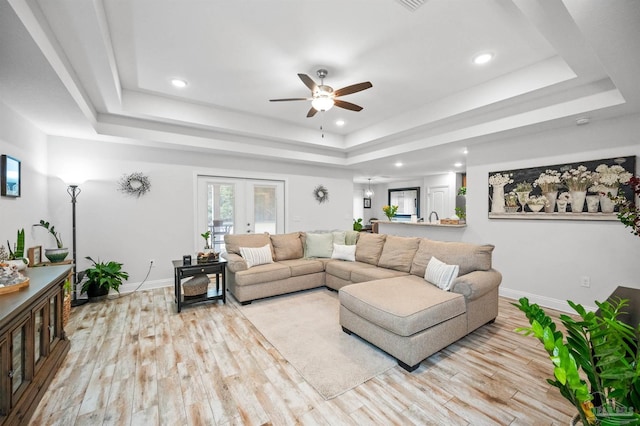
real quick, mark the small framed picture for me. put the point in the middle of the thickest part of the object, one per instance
(35, 255)
(367, 203)
(10, 179)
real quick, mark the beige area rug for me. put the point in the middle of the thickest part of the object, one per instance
(304, 327)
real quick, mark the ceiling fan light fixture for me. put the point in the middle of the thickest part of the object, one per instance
(322, 103)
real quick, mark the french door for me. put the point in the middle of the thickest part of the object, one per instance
(238, 206)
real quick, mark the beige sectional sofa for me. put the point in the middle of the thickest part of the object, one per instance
(384, 297)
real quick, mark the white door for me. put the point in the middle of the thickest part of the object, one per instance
(240, 206)
(438, 202)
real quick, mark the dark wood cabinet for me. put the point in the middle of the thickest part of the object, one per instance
(32, 342)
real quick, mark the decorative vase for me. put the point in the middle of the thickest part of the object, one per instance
(497, 199)
(522, 198)
(511, 209)
(577, 201)
(551, 197)
(562, 206)
(606, 204)
(96, 292)
(592, 203)
(535, 207)
(56, 255)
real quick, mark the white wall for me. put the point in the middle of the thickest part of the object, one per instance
(161, 224)
(546, 259)
(21, 140)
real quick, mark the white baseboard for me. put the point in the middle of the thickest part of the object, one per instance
(148, 285)
(545, 302)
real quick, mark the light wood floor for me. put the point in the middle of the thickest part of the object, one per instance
(135, 361)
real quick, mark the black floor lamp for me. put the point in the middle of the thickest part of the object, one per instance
(74, 191)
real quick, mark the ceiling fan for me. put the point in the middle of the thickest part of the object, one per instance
(323, 97)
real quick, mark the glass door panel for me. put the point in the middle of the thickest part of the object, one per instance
(228, 206)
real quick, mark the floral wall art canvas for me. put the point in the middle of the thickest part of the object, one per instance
(575, 191)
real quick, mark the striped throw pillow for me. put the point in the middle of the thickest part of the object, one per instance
(256, 256)
(441, 274)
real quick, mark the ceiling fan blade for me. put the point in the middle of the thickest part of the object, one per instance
(347, 105)
(290, 99)
(308, 82)
(353, 88)
(311, 112)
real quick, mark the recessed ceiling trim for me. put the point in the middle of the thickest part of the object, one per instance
(412, 5)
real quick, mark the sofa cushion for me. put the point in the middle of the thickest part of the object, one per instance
(263, 274)
(303, 266)
(370, 274)
(402, 305)
(287, 246)
(233, 242)
(351, 238)
(344, 252)
(318, 245)
(339, 237)
(470, 257)
(398, 253)
(441, 274)
(256, 255)
(343, 269)
(369, 247)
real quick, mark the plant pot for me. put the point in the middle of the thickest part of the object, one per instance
(21, 264)
(56, 255)
(97, 293)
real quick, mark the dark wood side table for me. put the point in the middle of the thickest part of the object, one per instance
(631, 314)
(182, 271)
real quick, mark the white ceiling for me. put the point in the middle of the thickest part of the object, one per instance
(101, 69)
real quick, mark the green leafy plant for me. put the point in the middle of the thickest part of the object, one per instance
(357, 224)
(108, 275)
(462, 190)
(600, 348)
(523, 187)
(206, 236)
(628, 212)
(52, 231)
(18, 250)
(461, 213)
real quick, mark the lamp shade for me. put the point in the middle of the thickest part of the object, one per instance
(322, 103)
(368, 192)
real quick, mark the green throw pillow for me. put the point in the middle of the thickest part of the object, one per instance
(319, 245)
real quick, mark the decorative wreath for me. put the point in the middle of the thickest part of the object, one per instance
(321, 193)
(135, 184)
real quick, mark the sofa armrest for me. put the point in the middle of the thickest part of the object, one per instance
(235, 262)
(477, 283)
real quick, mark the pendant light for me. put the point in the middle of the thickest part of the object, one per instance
(369, 192)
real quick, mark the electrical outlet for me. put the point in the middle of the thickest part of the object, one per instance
(585, 281)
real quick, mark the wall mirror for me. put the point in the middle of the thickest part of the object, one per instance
(407, 200)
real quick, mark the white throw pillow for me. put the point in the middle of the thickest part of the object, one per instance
(256, 256)
(344, 252)
(441, 274)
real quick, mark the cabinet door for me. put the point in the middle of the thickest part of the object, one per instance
(19, 374)
(40, 344)
(55, 320)
(4, 378)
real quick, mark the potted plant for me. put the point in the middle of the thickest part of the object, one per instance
(206, 236)
(16, 256)
(390, 211)
(357, 224)
(599, 348)
(628, 211)
(55, 255)
(100, 278)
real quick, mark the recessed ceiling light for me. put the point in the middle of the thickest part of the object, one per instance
(482, 58)
(340, 123)
(458, 164)
(399, 164)
(179, 83)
